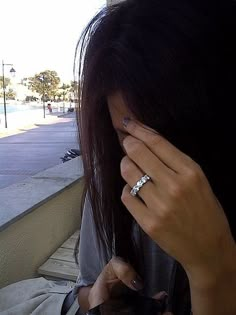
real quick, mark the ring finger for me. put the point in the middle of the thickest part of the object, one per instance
(132, 174)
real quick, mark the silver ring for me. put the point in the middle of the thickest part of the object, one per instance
(136, 188)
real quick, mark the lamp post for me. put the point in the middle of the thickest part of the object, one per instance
(42, 79)
(12, 71)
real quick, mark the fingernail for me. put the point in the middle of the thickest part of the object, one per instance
(137, 283)
(126, 120)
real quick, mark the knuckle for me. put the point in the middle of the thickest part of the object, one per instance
(113, 260)
(164, 217)
(112, 266)
(154, 140)
(176, 190)
(124, 161)
(125, 271)
(120, 268)
(194, 174)
(152, 227)
(125, 197)
(164, 211)
(126, 166)
(135, 149)
(109, 270)
(133, 128)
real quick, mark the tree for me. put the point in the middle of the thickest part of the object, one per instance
(30, 98)
(75, 90)
(7, 82)
(65, 90)
(45, 84)
(74, 87)
(59, 96)
(10, 95)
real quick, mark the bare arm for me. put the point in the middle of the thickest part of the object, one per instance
(214, 292)
(89, 268)
(179, 211)
(83, 298)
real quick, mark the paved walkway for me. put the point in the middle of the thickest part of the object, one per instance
(27, 151)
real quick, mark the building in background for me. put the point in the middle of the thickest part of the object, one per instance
(22, 91)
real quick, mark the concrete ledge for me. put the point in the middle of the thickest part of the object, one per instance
(22, 198)
(37, 216)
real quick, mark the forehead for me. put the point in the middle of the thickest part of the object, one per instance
(118, 110)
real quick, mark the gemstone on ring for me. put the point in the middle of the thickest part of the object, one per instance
(140, 183)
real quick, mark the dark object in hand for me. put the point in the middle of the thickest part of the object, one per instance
(130, 304)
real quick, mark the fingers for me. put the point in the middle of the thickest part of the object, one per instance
(131, 174)
(147, 160)
(137, 209)
(125, 273)
(108, 283)
(164, 150)
(151, 193)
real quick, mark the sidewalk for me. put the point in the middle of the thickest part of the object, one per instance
(21, 121)
(35, 147)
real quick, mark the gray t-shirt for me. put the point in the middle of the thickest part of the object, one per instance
(157, 264)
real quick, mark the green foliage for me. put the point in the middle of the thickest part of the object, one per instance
(30, 98)
(75, 90)
(74, 87)
(65, 89)
(7, 82)
(10, 95)
(45, 84)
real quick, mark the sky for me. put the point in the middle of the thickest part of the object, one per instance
(38, 35)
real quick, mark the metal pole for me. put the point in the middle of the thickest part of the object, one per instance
(44, 115)
(4, 95)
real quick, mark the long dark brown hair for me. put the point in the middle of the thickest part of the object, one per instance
(174, 64)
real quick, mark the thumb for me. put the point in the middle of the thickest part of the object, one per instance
(110, 280)
(161, 295)
(125, 273)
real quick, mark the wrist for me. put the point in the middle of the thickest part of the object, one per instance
(213, 289)
(221, 268)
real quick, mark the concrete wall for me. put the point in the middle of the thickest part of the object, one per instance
(26, 243)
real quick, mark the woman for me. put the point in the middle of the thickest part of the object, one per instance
(168, 65)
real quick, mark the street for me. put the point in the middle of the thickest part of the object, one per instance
(37, 149)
